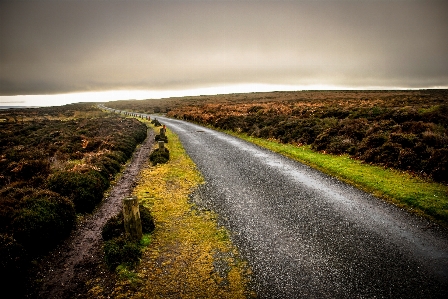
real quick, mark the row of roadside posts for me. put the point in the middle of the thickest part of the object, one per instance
(162, 136)
(147, 117)
(131, 212)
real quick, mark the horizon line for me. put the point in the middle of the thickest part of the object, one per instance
(59, 99)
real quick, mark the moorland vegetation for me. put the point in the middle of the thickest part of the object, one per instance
(403, 130)
(55, 164)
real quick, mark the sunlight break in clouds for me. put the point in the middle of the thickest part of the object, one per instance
(112, 95)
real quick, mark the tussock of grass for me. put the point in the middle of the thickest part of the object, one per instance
(423, 197)
(187, 244)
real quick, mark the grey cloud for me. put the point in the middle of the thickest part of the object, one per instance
(64, 46)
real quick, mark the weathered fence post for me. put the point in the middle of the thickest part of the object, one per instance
(162, 131)
(132, 221)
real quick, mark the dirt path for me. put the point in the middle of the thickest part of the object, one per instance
(65, 271)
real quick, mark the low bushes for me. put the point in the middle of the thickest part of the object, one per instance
(147, 220)
(117, 248)
(404, 130)
(156, 122)
(159, 156)
(120, 250)
(36, 219)
(43, 220)
(84, 189)
(52, 169)
(13, 262)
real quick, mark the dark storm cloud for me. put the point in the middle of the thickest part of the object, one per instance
(62, 46)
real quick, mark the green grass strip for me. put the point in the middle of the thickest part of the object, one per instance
(426, 198)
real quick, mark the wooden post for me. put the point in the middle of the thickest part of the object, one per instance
(162, 131)
(132, 221)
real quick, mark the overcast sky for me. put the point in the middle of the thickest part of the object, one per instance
(66, 46)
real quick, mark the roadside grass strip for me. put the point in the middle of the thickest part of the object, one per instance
(189, 256)
(417, 195)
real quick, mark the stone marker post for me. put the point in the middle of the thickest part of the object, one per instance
(161, 145)
(132, 221)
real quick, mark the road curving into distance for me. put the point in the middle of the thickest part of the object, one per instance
(308, 235)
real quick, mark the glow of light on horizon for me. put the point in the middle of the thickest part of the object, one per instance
(115, 95)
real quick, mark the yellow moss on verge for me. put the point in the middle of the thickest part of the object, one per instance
(189, 255)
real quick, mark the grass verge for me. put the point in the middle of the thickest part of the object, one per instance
(423, 197)
(189, 255)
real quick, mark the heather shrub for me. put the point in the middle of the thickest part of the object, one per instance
(41, 218)
(113, 251)
(156, 122)
(416, 127)
(437, 165)
(230, 122)
(147, 220)
(355, 129)
(389, 153)
(117, 156)
(106, 166)
(322, 140)
(265, 132)
(159, 156)
(340, 145)
(433, 139)
(401, 115)
(405, 140)
(13, 262)
(370, 155)
(124, 146)
(113, 228)
(131, 253)
(84, 189)
(375, 140)
(140, 134)
(408, 159)
(27, 169)
(254, 109)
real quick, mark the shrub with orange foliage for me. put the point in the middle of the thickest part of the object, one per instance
(405, 130)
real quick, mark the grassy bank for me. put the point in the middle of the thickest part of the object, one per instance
(415, 194)
(189, 255)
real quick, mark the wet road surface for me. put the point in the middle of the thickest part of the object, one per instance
(307, 235)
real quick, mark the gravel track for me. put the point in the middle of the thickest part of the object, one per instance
(308, 235)
(65, 271)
